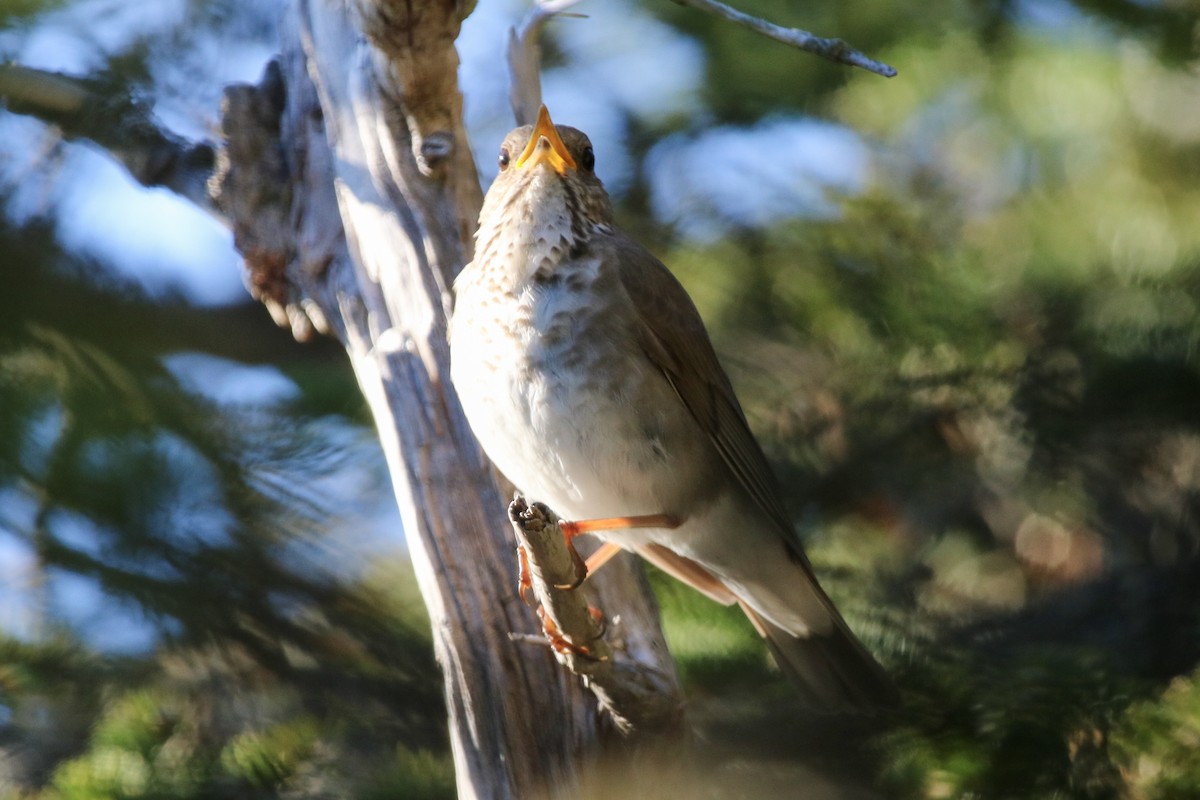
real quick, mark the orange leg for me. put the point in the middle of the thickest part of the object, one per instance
(607, 551)
(524, 579)
(604, 553)
(571, 529)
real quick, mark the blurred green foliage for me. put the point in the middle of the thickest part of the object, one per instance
(1157, 741)
(15, 11)
(274, 670)
(978, 380)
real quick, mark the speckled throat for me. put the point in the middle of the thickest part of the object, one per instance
(530, 229)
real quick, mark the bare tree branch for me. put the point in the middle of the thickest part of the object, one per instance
(640, 696)
(87, 108)
(525, 58)
(832, 49)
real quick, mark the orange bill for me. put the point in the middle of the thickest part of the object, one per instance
(555, 153)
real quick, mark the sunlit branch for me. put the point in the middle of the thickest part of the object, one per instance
(525, 58)
(832, 49)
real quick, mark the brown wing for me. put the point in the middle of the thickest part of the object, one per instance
(833, 668)
(674, 339)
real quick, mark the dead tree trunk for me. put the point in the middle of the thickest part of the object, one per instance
(352, 192)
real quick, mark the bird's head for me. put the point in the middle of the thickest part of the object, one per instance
(547, 186)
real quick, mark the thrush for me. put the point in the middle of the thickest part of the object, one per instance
(588, 377)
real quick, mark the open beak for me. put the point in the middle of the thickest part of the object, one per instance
(546, 145)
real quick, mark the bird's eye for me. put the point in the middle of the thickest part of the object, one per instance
(588, 159)
(504, 158)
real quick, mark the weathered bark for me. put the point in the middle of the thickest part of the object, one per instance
(349, 184)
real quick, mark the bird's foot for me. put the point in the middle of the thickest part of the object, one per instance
(561, 644)
(580, 567)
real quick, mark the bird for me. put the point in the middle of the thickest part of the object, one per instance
(588, 377)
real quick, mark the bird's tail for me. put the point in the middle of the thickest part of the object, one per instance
(830, 670)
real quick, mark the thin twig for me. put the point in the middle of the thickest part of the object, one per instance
(832, 49)
(525, 58)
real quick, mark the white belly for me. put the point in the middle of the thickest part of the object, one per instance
(591, 433)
